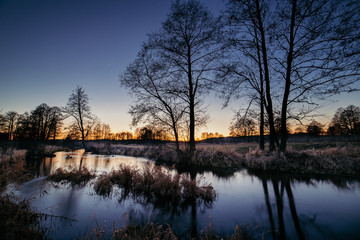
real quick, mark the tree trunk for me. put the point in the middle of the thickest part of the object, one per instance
(284, 133)
(262, 100)
(273, 138)
(192, 147)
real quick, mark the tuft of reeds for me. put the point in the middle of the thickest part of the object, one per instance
(153, 184)
(18, 220)
(147, 231)
(77, 177)
(151, 230)
(12, 168)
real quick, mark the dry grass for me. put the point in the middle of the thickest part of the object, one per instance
(153, 185)
(18, 220)
(333, 160)
(147, 231)
(155, 231)
(12, 168)
(77, 177)
(324, 157)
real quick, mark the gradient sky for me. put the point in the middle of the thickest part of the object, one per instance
(48, 47)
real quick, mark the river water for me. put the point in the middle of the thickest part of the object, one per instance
(273, 206)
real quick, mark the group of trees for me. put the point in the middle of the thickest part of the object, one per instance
(43, 123)
(283, 56)
(346, 121)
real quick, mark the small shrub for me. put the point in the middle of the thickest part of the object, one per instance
(75, 177)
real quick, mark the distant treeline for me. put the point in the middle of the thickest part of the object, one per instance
(47, 123)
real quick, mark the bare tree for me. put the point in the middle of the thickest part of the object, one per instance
(187, 44)
(242, 125)
(315, 128)
(249, 23)
(345, 121)
(78, 108)
(10, 119)
(148, 82)
(309, 49)
(318, 52)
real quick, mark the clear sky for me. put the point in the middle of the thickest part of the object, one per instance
(48, 47)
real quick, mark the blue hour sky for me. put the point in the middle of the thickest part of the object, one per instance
(48, 47)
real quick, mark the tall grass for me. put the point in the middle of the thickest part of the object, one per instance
(332, 160)
(77, 177)
(12, 168)
(18, 220)
(151, 230)
(153, 185)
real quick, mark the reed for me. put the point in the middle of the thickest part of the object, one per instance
(18, 220)
(153, 184)
(77, 177)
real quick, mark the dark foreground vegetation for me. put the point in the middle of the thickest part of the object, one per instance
(17, 219)
(153, 231)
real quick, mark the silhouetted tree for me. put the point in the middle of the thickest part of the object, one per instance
(9, 120)
(249, 25)
(309, 48)
(242, 125)
(42, 123)
(101, 131)
(318, 53)
(78, 108)
(187, 44)
(345, 121)
(148, 82)
(123, 136)
(206, 135)
(314, 128)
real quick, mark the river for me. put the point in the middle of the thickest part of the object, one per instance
(273, 206)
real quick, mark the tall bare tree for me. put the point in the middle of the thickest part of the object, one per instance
(78, 108)
(187, 44)
(148, 82)
(309, 50)
(318, 52)
(249, 23)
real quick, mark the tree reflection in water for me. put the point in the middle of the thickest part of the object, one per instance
(282, 184)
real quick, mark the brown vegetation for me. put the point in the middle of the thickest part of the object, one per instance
(18, 220)
(322, 157)
(153, 184)
(151, 230)
(332, 160)
(76, 177)
(12, 168)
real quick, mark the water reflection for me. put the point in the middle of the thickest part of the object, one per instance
(77, 159)
(282, 191)
(284, 206)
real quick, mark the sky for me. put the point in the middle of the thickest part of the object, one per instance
(49, 47)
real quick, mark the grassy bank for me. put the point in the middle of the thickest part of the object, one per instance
(318, 158)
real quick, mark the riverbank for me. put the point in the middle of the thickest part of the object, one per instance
(315, 158)
(334, 158)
